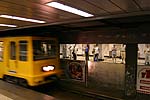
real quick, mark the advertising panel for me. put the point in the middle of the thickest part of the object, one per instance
(74, 70)
(143, 79)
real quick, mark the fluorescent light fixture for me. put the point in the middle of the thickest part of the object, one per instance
(7, 25)
(69, 9)
(22, 19)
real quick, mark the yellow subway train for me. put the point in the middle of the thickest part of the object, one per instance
(29, 60)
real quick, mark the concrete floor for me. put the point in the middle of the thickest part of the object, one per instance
(59, 93)
(13, 92)
(44, 92)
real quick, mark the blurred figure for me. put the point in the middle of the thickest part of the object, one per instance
(96, 51)
(70, 50)
(147, 55)
(74, 52)
(87, 52)
(122, 53)
(114, 53)
(64, 50)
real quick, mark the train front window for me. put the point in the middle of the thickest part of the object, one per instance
(44, 49)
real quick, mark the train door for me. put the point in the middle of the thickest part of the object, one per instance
(12, 57)
(23, 57)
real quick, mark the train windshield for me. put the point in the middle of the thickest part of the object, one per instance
(44, 49)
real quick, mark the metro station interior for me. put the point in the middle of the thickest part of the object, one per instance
(116, 32)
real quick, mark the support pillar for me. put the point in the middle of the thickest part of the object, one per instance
(131, 70)
(86, 73)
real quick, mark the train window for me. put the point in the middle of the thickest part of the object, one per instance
(44, 49)
(12, 50)
(1, 50)
(23, 50)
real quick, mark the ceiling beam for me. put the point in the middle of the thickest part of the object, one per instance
(125, 15)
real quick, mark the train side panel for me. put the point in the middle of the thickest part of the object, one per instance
(17, 62)
(2, 57)
(25, 59)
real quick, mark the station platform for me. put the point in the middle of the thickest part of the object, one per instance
(13, 92)
(99, 87)
(103, 94)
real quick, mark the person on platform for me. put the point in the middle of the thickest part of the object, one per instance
(87, 52)
(74, 52)
(122, 53)
(96, 51)
(114, 53)
(147, 55)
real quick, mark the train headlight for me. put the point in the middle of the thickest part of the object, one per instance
(48, 68)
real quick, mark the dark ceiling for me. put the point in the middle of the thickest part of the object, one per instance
(107, 13)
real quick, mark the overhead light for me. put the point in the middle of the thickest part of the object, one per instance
(7, 25)
(69, 9)
(22, 19)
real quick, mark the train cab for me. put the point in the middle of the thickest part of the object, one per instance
(29, 60)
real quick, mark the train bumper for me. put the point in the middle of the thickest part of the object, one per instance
(45, 78)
